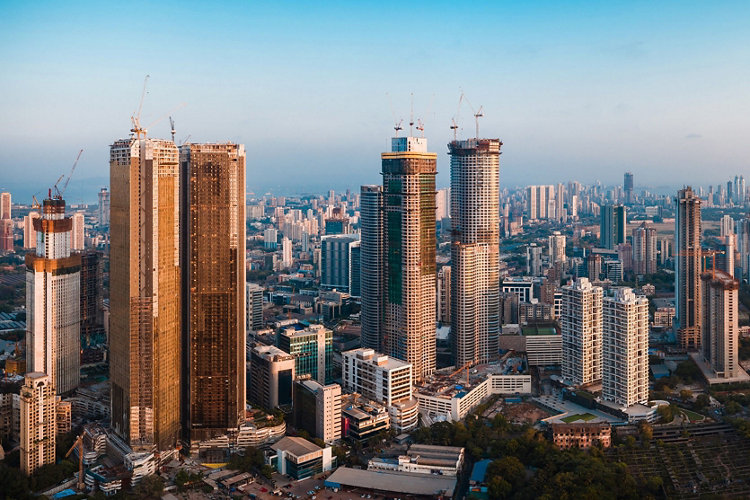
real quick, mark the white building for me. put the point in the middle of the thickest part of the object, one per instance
(625, 348)
(384, 380)
(77, 237)
(523, 287)
(286, 252)
(581, 325)
(53, 320)
(556, 244)
(38, 422)
(29, 233)
(540, 202)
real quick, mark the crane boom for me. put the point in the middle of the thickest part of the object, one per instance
(65, 186)
(78, 444)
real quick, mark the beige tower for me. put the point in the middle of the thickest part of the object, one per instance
(53, 281)
(688, 269)
(720, 323)
(29, 234)
(145, 293)
(78, 235)
(38, 422)
(625, 348)
(409, 253)
(581, 325)
(213, 355)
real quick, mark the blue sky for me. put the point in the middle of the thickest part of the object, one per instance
(576, 90)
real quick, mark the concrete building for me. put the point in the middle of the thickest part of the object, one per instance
(688, 269)
(720, 344)
(581, 327)
(286, 253)
(53, 318)
(335, 261)
(102, 212)
(6, 235)
(254, 307)
(612, 226)
(298, 458)
(271, 377)
(539, 200)
(145, 304)
(372, 266)
(312, 348)
(78, 234)
(384, 380)
(90, 288)
(556, 248)
(625, 348)
(38, 422)
(533, 260)
(317, 409)
(628, 188)
(644, 249)
(363, 419)
(355, 269)
(29, 234)
(424, 459)
(581, 435)
(270, 238)
(520, 286)
(743, 247)
(213, 289)
(475, 240)
(5, 206)
(409, 242)
(444, 295)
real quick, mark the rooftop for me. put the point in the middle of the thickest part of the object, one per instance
(406, 483)
(296, 446)
(449, 383)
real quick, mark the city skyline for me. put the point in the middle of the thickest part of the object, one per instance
(607, 88)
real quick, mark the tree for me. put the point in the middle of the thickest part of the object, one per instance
(686, 394)
(149, 488)
(733, 407)
(267, 471)
(499, 488)
(702, 401)
(646, 432)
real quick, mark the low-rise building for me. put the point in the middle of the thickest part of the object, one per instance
(271, 375)
(63, 417)
(298, 458)
(424, 459)
(317, 409)
(581, 434)
(362, 419)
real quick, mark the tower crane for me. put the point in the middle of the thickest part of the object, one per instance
(454, 125)
(171, 124)
(59, 193)
(78, 444)
(135, 118)
(477, 114)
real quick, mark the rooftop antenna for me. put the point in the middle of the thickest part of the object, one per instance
(171, 124)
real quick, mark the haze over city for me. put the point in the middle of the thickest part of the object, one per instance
(576, 91)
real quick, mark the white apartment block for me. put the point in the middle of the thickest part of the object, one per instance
(556, 243)
(625, 348)
(540, 202)
(581, 324)
(38, 422)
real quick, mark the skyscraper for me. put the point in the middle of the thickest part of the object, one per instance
(371, 265)
(409, 242)
(38, 422)
(644, 249)
(5, 206)
(688, 269)
(556, 247)
(145, 307)
(475, 250)
(312, 348)
(612, 226)
(334, 263)
(444, 295)
(53, 320)
(628, 188)
(77, 238)
(254, 307)
(6, 235)
(720, 330)
(355, 269)
(90, 294)
(581, 325)
(29, 234)
(213, 283)
(102, 213)
(286, 253)
(625, 348)
(540, 202)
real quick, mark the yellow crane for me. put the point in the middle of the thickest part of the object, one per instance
(78, 443)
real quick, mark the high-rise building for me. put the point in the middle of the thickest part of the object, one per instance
(534, 260)
(725, 259)
(594, 267)
(383, 379)
(213, 288)
(312, 348)
(53, 319)
(612, 226)
(443, 203)
(372, 265)
(271, 377)
(409, 242)
(270, 238)
(475, 250)
(102, 212)
(444, 295)
(6, 235)
(317, 409)
(286, 253)
(355, 269)
(628, 188)
(5, 206)
(625, 348)
(644, 249)
(743, 247)
(90, 294)
(556, 245)
(145, 304)
(334, 261)
(720, 330)
(581, 326)
(688, 269)
(77, 237)
(726, 226)
(29, 234)
(38, 422)
(254, 307)
(539, 199)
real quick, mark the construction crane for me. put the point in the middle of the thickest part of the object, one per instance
(454, 125)
(420, 126)
(171, 124)
(704, 253)
(135, 118)
(59, 193)
(477, 114)
(465, 367)
(398, 126)
(79, 444)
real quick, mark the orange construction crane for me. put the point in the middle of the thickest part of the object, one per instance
(465, 367)
(704, 253)
(78, 443)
